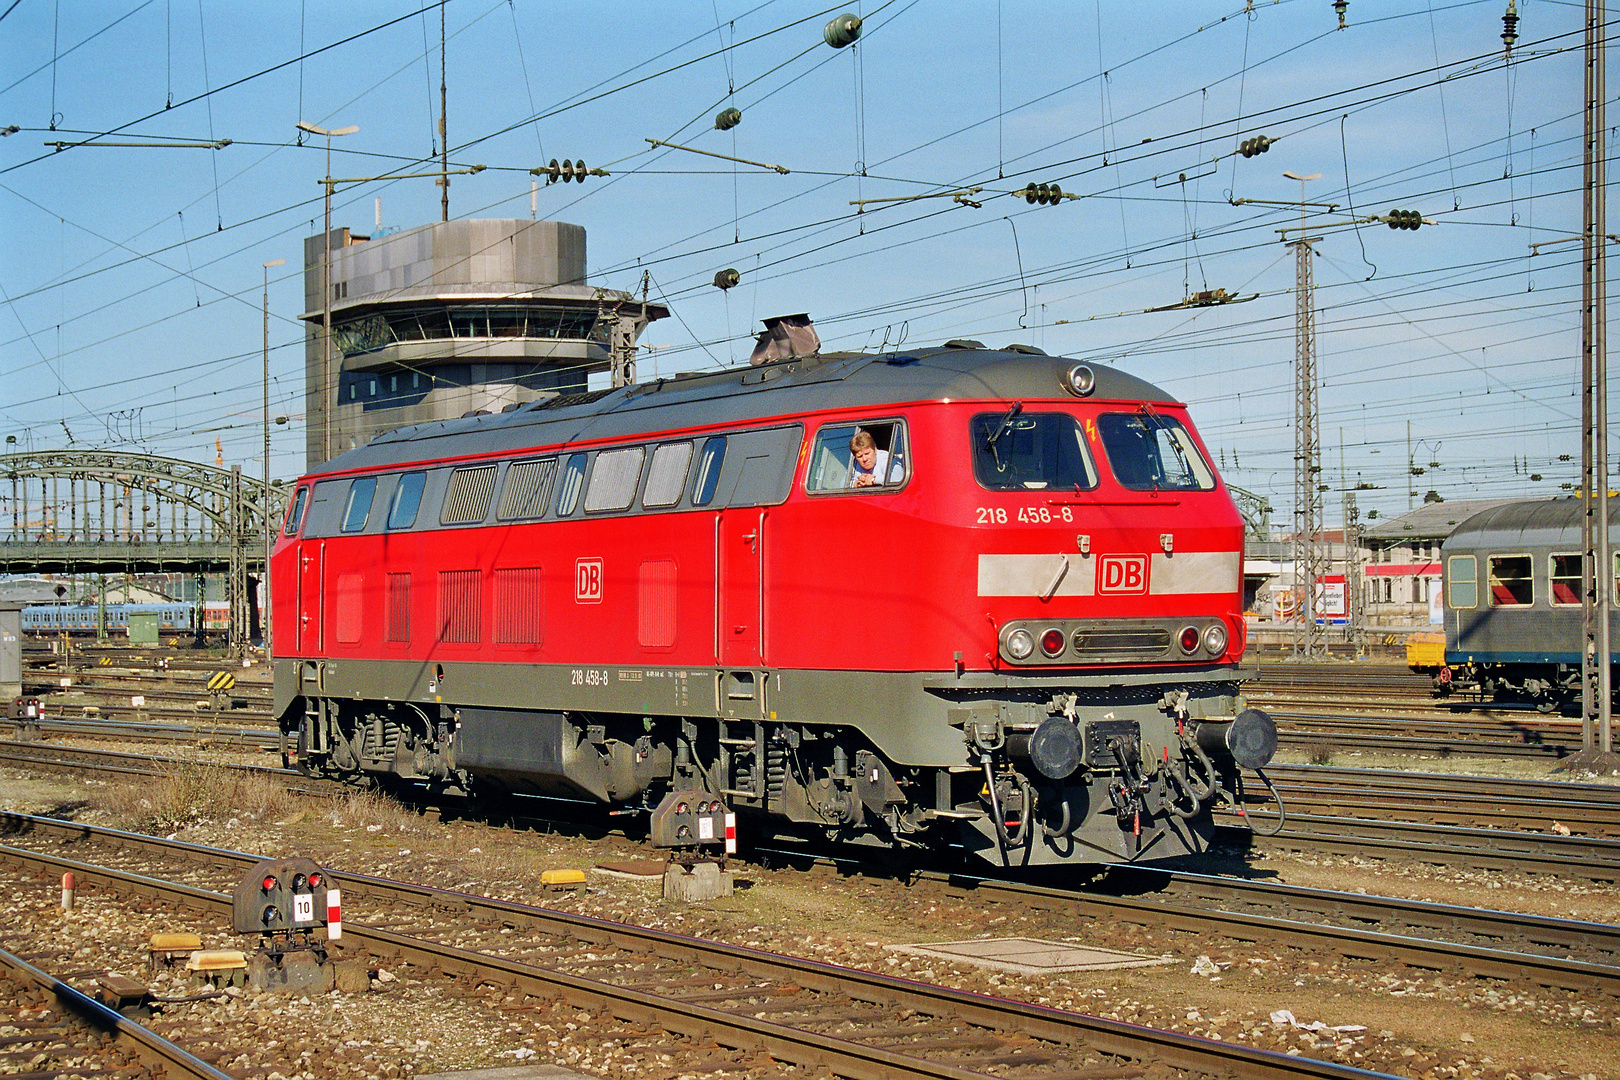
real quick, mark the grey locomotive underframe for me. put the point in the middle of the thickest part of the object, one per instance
(883, 758)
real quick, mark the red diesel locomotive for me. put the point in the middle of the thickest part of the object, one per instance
(946, 596)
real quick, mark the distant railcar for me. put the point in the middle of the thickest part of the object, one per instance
(79, 619)
(1513, 610)
(926, 598)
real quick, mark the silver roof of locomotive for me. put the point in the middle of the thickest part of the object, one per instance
(784, 388)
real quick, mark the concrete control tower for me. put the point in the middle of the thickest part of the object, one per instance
(444, 319)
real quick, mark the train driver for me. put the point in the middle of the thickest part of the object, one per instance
(867, 463)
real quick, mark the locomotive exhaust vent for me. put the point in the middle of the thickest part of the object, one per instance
(784, 337)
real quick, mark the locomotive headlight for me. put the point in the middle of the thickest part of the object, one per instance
(1189, 639)
(1052, 641)
(1020, 644)
(1080, 380)
(1215, 639)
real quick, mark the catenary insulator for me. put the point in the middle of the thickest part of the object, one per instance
(727, 119)
(1339, 8)
(1257, 145)
(725, 279)
(1510, 27)
(843, 30)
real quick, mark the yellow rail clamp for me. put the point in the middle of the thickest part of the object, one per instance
(216, 960)
(222, 680)
(562, 879)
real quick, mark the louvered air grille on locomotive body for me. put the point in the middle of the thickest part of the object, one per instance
(951, 596)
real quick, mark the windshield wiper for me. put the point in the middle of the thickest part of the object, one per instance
(1001, 429)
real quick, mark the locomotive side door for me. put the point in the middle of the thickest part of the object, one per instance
(311, 556)
(740, 589)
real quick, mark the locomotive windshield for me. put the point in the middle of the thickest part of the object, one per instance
(1150, 452)
(1025, 451)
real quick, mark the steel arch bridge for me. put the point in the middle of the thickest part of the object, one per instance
(101, 511)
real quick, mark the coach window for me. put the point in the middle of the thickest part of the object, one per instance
(295, 512)
(1462, 578)
(614, 480)
(1510, 580)
(858, 457)
(1150, 452)
(358, 509)
(708, 470)
(1564, 574)
(573, 479)
(1019, 451)
(407, 500)
(666, 477)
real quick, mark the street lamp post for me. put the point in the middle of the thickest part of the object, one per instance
(264, 581)
(328, 389)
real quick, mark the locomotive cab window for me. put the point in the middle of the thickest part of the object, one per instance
(295, 512)
(406, 501)
(1511, 583)
(1023, 451)
(858, 457)
(1150, 452)
(1564, 575)
(358, 509)
(1463, 582)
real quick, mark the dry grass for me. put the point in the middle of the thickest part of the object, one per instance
(373, 811)
(189, 793)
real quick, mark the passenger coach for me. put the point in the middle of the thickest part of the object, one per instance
(954, 595)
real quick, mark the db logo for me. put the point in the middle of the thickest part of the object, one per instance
(588, 581)
(1122, 574)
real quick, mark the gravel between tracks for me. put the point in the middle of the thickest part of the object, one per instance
(1414, 1024)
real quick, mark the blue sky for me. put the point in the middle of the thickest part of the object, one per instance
(130, 315)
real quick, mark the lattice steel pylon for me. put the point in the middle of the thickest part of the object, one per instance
(1597, 565)
(1308, 559)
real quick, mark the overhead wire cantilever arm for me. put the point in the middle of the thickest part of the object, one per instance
(402, 176)
(724, 157)
(961, 195)
(217, 144)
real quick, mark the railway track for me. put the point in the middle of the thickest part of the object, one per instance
(58, 1030)
(756, 1006)
(1426, 936)
(1584, 855)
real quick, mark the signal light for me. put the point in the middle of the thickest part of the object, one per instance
(271, 915)
(268, 884)
(1045, 194)
(1257, 145)
(314, 881)
(565, 171)
(1404, 219)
